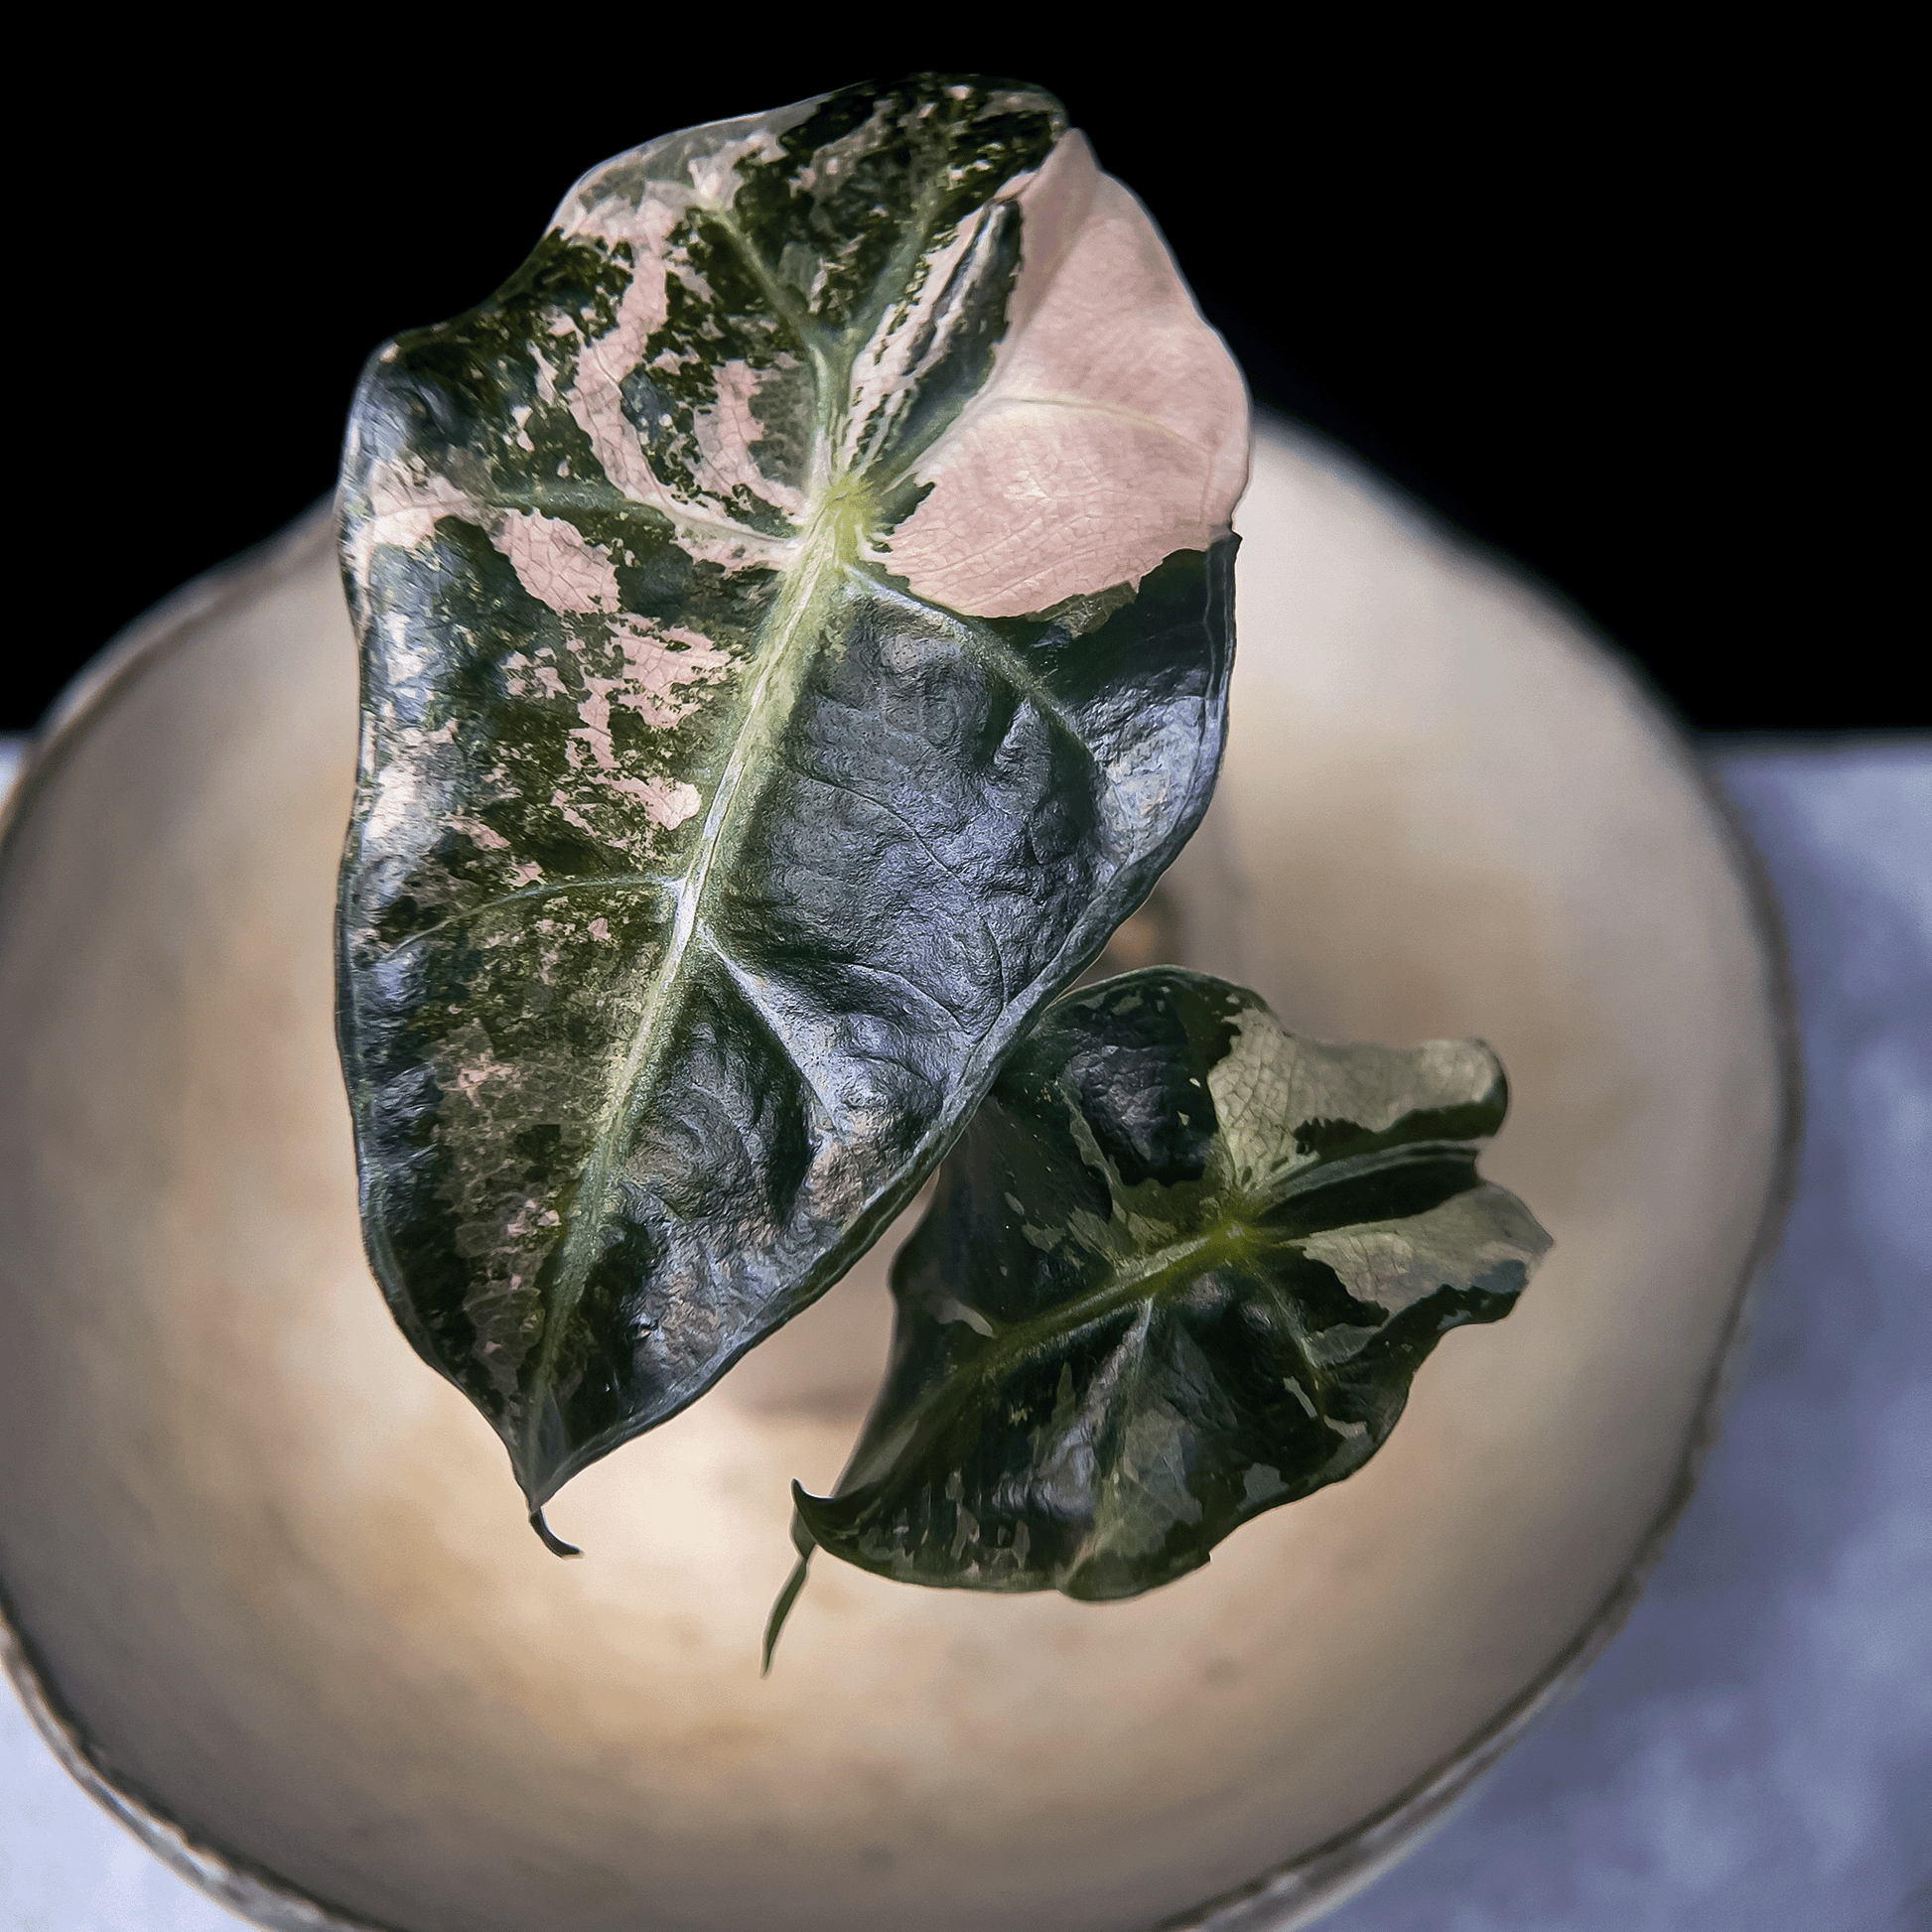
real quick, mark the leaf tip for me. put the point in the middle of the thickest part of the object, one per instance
(550, 1540)
(782, 1609)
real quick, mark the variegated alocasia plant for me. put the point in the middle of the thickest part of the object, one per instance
(795, 615)
(1179, 1269)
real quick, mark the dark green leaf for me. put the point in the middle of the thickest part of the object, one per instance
(1179, 1269)
(795, 615)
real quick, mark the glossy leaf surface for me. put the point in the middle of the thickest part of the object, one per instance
(1179, 1269)
(796, 627)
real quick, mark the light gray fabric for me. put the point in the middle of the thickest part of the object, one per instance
(1755, 1750)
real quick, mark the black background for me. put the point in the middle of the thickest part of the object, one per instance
(1626, 312)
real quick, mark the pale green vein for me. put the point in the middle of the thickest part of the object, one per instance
(524, 894)
(810, 336)
(1145, 1280)
(587, 498)
(1232, 1239)
(1315, 1175)
(984, 404)
(754, 994)
(985, 644)
(835, 355)
(787, 647)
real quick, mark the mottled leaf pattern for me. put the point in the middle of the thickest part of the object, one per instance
(796, 628)
(1179, 1269)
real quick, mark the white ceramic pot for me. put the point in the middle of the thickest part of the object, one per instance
(272, 1594)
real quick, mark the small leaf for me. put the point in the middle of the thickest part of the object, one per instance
(795, 615)
(1179, 1269)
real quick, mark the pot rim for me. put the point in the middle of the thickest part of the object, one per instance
(1281, 1898)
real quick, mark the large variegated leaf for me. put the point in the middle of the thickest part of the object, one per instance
(1179, 1269)
(796, 628)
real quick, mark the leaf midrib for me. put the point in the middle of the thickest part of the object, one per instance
(1236, 1236)
(787, 652)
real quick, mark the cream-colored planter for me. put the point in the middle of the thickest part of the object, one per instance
(274, 1596)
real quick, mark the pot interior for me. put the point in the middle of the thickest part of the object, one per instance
(276, 1572)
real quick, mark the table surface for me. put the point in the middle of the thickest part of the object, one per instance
(1754, 1750)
